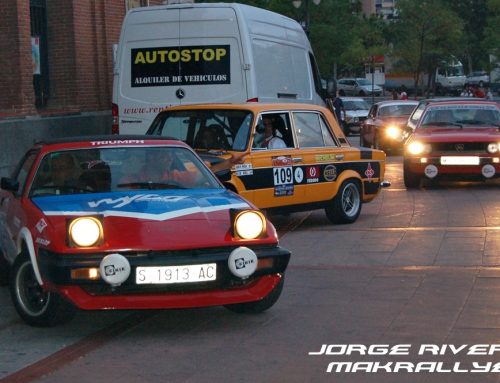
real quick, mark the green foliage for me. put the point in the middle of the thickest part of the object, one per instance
(426, 33)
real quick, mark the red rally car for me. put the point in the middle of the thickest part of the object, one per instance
(130, 223)
(456, 138)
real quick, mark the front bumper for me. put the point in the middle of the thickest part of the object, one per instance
(432, 167)
(226, 289)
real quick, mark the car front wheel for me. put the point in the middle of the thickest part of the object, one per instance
(346, 205)
(259, 306)
(36, 306)
(411, 180)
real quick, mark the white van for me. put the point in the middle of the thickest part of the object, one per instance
(208, 53)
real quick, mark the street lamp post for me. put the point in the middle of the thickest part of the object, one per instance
(297, 4)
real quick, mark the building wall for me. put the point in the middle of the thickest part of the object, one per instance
(80, 38)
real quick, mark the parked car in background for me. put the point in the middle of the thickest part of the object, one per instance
(356, 110)
(459, 138)
(314, 166)
(386, 125)
(357, 87)
(131, 222)
(480, 78)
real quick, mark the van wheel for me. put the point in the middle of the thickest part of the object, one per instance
(259, 306)
(341, 92)
(34, 305)
(362, 93)
(346, 205)
(411, 180)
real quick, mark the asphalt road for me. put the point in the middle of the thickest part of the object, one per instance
(418, 271)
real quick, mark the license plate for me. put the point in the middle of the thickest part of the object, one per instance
(462, 160)
(176, 274)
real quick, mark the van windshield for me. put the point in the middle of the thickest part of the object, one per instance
(213, 129)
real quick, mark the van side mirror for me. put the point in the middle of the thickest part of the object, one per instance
(10, 184)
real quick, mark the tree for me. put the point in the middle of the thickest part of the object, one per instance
(473, 14)
(426, 33)
(491, 42)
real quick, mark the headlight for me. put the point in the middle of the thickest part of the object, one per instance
(249, 224)
(417, 148)
(493, 147)
(393, 132)
(85, 231)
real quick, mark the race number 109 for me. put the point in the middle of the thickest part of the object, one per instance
(283, 175)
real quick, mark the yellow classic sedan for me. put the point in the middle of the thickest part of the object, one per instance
(298, 157)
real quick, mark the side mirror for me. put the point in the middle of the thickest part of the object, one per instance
(224, 175)
(10, 184)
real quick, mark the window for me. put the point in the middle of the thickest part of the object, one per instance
(23, 169)
(308, 129)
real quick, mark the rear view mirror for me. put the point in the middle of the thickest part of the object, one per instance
(10, 184)
(224, 175)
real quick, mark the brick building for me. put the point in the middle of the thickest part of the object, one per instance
(57, 69)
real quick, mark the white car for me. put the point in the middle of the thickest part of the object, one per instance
(480, 78)
(357, 87)
(356, 110)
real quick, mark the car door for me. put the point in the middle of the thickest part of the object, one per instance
(12, 216)
(320, 155)
(273, 178)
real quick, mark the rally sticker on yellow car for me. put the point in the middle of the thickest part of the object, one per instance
(282, 176)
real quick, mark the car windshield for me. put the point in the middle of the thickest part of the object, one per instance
(466, 116)
(119, 169)
(356, 105)
(396, 110)
(215, 129)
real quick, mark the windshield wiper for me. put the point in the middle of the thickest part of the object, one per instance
(443, 123)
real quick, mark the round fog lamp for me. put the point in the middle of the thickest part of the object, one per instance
(249, 225)
(492, 148)
(416, 148)
(85, 231)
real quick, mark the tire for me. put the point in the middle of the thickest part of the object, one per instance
(411, 180)
(345, 207)
(37, 307)
(4, 270)
(259, 306)
(341, 92)
(362, 93)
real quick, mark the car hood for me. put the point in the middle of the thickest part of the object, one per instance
(153, 220)
(393, 120)
(356, 113)
(454, 134)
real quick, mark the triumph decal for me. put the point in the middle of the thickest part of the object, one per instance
(187, 65)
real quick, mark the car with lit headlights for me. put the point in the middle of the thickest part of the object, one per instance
(96, 223)
(386, 125)
(356, 112)
(313, 167)
(457, 139)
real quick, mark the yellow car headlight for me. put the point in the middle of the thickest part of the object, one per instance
(393, 132)
(85, 231)
(416, 148)
(249, 224)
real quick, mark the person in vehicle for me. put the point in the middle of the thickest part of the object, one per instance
(271, 140)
